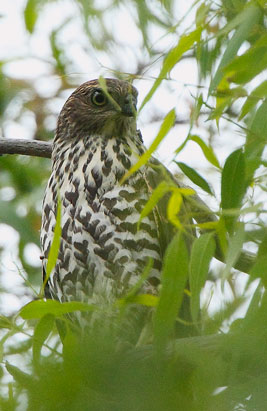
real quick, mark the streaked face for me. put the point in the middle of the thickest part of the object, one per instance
(108, 110)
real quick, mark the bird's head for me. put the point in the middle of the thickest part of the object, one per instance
(107, 109)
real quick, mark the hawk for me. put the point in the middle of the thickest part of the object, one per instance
(102, 251)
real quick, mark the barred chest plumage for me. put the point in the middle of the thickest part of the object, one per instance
(102, 253)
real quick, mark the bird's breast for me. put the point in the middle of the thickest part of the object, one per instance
(100, 235)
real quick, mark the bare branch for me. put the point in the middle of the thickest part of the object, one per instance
(25, 147)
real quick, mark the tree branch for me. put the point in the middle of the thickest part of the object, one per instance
(25, 147)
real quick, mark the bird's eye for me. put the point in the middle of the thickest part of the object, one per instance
(99, 98)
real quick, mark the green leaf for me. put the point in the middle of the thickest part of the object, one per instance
(194, 176)
(175, 202)
(172, 58)
(207, 150)
(24, 379)
(247, 20)
(137, 286)
(258, 93)
(145, 299)
(31, 14)
(156, 195)
(247, 66)
(173, 208)
(256, 140)
(233, 185)
(54, 249)
(239, 19)
(235, 245)
(5, 322)
(41, 333)
(202, 252)
(103, 85)
(259, 269)
(40, 308)
(174, 276)
(164, 129)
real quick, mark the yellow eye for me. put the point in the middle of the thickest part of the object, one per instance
(99, 98)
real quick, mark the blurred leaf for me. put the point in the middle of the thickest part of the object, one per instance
(145, 299)
(172, 58)
(258, 93)
(240, 18)
(5, 322)
(21, 377)
(202, 13)
(248, 18)
(41, 333)
(31, 14)
(20, 348)
(174, 275)
(58, 53)
(235, 245)
(175, 203)
(54, 249)
(194, 177)
(233, 185)
(154, 198)
(137, 286)
(259, 269)
(207, 150)
(256, 141)
(40, 308)
(247, 66)
(173, 208)
(202, 251)
(262, 250)
(164, 129)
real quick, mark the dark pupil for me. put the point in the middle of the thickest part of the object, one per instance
(99, 98)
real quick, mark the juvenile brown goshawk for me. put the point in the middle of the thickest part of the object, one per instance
(102, 253)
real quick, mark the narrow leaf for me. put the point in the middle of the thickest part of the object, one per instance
(259, 269)
(156, 195)
(41, 333)
(207, 150)
(39, 308)
(233, 185)
(164, 129)
(256, 140)
(173, 208)
(194, 177)
(201, 254)
(234, 249)
(172, 58)
(31, 14)
(145, 299)
(247, 66)
(174, 275)
(24, 379)
(54, 249)
(238, 20)
(137, 286)
(258, 93)
(249, 18)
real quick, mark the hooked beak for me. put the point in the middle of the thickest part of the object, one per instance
(128, 107)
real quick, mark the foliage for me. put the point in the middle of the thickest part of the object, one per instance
(138, 354)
